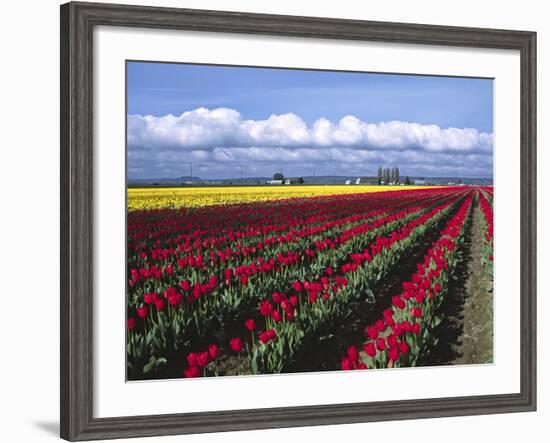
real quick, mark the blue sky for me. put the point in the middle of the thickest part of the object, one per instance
(296, 120)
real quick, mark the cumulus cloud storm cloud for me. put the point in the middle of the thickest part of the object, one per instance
(224, 135)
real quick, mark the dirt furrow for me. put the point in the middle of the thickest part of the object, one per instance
(465, 335)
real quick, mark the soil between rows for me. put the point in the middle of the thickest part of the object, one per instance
(465, 336)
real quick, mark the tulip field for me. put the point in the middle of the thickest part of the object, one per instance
(264, 280)
(160, 198)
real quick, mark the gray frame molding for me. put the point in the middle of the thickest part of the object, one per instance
(77, 23)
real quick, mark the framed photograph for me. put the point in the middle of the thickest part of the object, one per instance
(272, 221)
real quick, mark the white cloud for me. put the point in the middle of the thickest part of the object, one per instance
(222, 128)
(218, 141)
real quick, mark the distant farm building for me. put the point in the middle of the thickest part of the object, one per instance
(348, 182)
(366, 181)
(294, 181)
(286, 181)
(420, 181)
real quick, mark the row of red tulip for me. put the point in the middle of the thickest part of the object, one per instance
(398, 338)
(487, 211)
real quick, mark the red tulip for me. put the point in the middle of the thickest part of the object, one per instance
(370, 349)
(228, 275)
(267, 336)
(170, 292)
(353, 354)
(185, 285)
(347, 364)
(416, 312)
(203, 358)
(131, 323)
(372, 332)
(392, 341)
(143, 312)
(148, 298)
(192, 359)
(264, 338)
(266, 308)
(403, 347)
(398, 302)
(272, 334)
(297, 286)
(175, 299)
(191, 372)
(276, 316)
(213, 351)
(236, 344)
(250, 324)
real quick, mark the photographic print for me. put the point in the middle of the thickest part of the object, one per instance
(289, 220)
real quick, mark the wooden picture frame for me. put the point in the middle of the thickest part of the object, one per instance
(77, 23)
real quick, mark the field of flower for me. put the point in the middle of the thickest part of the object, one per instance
(223, 281)
(158, 198)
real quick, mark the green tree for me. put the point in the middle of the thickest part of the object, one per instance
(387, 175)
